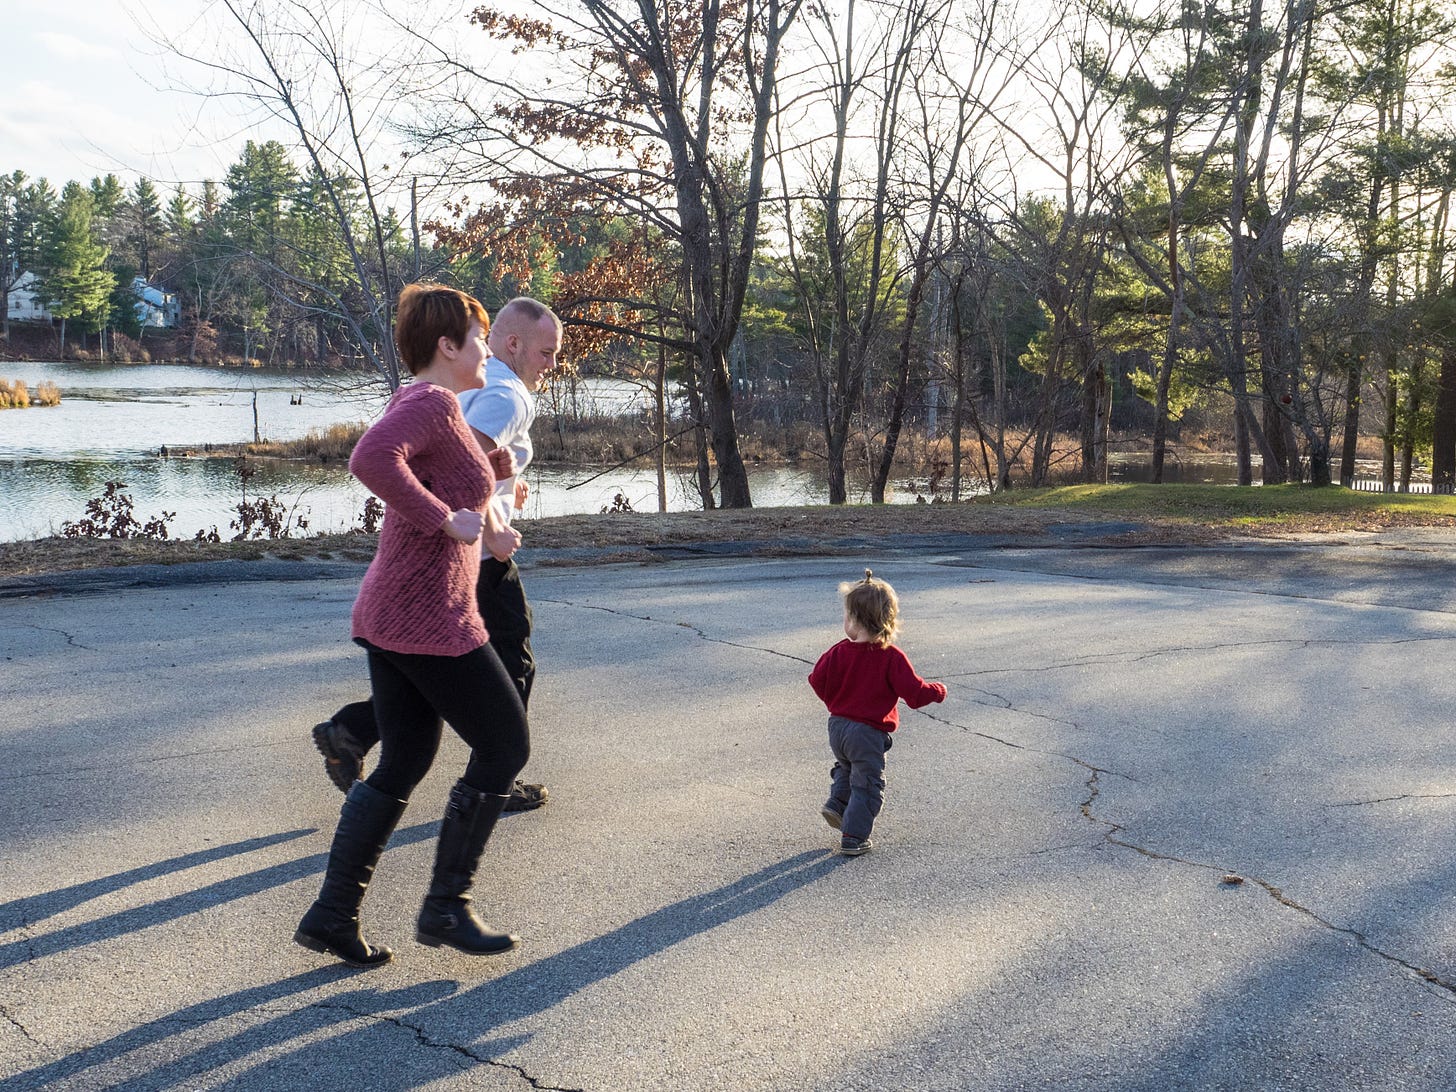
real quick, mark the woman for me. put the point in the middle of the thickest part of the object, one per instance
(429, 659)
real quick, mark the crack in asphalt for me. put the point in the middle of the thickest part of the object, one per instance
(679, 625)
(426, 1040)
(1001, 702)
(15, 1023)
(1026, 747)
(1391, 799)
(70, 638)
(1110, 835)
(1112, 830)
(1173, 650)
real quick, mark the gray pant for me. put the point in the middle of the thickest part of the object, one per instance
(857, 782)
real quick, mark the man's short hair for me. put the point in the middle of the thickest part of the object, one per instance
(532, 310)
(428, 312)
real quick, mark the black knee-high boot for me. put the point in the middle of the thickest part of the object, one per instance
(332, 922)
(447, 916)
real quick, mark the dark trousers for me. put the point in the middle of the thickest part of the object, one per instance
(501, 597)
(857, 781)
(472, 693)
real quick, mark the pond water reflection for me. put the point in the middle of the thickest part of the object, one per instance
(113, 420)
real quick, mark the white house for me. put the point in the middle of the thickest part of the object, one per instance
(25, 304)
(155, 307)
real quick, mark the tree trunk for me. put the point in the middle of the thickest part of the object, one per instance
(1103, 424)
(1241, 446)
(659, 392)
(957, 412)
(700, 440)
(1443, 432)
(1165, 382)
(732, 474)
(902, 374)
(1354, 379)
(1413, 410)
(1276, 468)
(1387, 446)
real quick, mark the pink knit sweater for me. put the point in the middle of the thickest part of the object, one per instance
(422, 461)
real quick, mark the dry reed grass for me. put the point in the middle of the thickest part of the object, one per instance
(15, 395)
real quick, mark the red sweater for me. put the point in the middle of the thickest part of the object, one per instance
(422, 461)
(863, 682)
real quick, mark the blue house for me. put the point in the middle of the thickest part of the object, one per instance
(155, 307)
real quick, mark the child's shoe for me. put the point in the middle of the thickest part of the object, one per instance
(853, 847)
(832, 817)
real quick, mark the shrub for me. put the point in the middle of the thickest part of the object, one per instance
(372, 515)
(110, 516)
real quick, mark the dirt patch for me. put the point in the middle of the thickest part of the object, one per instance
(622, 536)
(771, 532)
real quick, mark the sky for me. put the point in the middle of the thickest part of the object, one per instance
(83, 95)
(86, 89)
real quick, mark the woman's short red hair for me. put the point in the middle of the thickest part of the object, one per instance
(428, 312)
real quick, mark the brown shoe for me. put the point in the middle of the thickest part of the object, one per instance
(526, 797)
(343, 757)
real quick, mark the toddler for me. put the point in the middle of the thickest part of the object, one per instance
(861, 679)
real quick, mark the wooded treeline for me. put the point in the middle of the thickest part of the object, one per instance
(1060, 218)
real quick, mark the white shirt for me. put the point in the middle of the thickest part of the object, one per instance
(504, 410)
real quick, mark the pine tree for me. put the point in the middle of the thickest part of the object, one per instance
(11, 186)
(35, 207)
(75, 276)
(180, 221)
(146, 224)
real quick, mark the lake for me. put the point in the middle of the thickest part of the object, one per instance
(113, 421)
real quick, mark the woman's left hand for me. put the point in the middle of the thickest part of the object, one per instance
(463, 525)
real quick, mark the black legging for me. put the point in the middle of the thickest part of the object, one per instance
(472, 693)
(501, 597)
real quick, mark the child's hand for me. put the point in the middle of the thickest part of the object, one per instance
(940, 688)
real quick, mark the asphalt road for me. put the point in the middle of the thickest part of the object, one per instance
(1050, 903)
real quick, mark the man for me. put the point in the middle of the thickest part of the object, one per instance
(524, 341)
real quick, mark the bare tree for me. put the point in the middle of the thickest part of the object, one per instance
(303, 65)
(647, 112)
(842, 213)
(1079, 83)
(964, 65)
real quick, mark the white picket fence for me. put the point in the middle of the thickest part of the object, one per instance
(1373, 485)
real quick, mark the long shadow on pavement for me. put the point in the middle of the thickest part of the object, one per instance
(454, 1023)
(34, 908)
(339, 1007)
(189, 902)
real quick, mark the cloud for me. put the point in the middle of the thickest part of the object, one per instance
(70, 48)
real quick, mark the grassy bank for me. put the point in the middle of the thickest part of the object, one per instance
(1270, 508)
(1157, 513)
